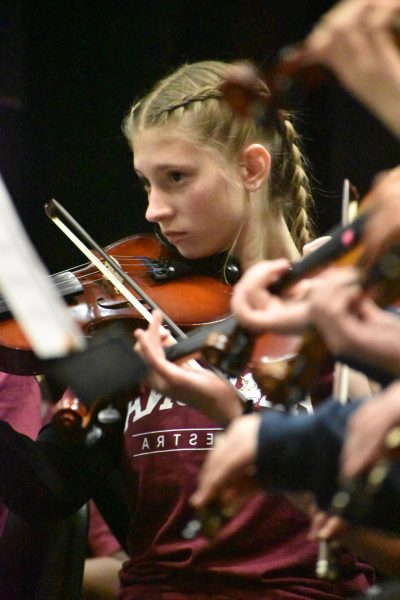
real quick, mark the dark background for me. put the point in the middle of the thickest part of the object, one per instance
(70, 70)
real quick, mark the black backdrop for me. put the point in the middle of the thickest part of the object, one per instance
(69, 71)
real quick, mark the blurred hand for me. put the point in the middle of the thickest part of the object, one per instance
(355, 40)
(227, 475)
(259, 310)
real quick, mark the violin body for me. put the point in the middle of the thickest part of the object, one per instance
(191, 293)
(189, 300)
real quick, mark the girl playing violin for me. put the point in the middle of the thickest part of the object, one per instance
(215, 182)
(261, 198)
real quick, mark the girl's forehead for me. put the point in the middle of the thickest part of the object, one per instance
(162, 144)
(161, 134)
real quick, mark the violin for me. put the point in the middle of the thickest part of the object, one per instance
(192, 293)
(381, 283)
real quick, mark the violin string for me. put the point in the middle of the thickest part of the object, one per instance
(86, 279)
(125, 261)
(95, 276)
(68, 287)
(89, 274)
(65, 288)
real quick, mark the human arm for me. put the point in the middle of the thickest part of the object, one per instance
(355, 329)
(372, 422)
(20, 403)
(51, 477)
(100, 578)
(295, 453)
(301, 452)
(283, 452)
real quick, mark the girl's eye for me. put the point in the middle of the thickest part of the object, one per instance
(145, 183)
(176, 176)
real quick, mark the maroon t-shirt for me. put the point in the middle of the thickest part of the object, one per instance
(262, 553)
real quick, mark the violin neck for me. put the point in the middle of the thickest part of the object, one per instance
(196, 339)
(342, 241)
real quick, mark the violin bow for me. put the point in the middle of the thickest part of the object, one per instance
(326, 565)
(349, 213)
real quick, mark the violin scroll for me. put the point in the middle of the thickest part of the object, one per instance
(248, 95)
(73, 419)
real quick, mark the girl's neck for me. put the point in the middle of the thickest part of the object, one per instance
(278, 241)
(262, 241)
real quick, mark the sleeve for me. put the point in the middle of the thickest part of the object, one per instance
(374, 372)
(301, 452)
(52, 477)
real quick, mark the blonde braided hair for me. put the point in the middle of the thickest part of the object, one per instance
(290, 182)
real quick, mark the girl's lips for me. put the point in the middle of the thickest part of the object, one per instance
(174, 236)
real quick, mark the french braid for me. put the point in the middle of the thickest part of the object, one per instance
(289, 181)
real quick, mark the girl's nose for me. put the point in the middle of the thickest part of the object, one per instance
(158, 207)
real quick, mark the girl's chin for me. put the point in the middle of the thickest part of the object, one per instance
(192, 254)
(192, 249)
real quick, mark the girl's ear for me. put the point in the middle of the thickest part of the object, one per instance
(255, 165)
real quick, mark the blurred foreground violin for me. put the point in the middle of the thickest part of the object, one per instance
(245, 349)
(361, 496)
(247, 94)
(381, 283)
